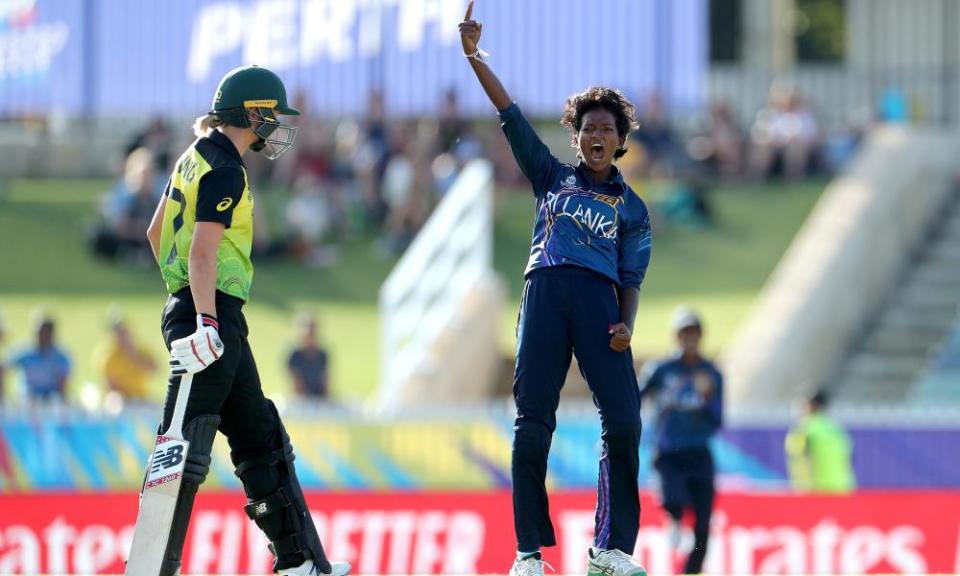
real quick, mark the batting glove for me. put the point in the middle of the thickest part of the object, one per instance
(195, 352)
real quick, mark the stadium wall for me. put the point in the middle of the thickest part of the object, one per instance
(84, 453)
(471, 533)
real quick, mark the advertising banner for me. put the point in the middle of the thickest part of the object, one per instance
(41, 56)
(472, 532)
(116, 57)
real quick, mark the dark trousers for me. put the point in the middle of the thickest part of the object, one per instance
(687, 482)
(567, 311)
(230, 387)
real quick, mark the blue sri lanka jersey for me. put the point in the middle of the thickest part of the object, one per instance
(688, 401)
(601, 227)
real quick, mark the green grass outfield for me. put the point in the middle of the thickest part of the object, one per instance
(44, 263)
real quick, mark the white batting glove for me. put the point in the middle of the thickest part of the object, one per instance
(195, 352)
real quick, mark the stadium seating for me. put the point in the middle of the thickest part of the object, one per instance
(897, 358)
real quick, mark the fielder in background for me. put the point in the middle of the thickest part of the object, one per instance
(687, 393)
(819, 451)
(589, 254)
(201, 235)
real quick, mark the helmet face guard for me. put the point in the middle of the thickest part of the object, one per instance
(275, 137)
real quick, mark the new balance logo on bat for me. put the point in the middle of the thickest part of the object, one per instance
(260, 509)
(169, 458)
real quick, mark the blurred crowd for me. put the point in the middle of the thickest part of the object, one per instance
(678, 161)
(369, 177)
(37, 372)
(379, 177)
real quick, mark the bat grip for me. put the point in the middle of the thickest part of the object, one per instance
(180, 407)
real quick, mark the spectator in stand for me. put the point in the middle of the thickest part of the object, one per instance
(398, 196)
(127, 210)
(785, 137)
(409, 184)
(315, 212)
(452, 126)
(157, 138)
(125, 364)
(45, 368)
(726, 142)
(659, 144)
(371, 159)
(819, 451)
(309, 363)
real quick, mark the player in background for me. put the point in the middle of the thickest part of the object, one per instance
(687, 390)
(819, 451)
(590, 250)
(201, 235)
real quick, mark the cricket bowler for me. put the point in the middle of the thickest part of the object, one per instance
(589, 254)
(201, 235)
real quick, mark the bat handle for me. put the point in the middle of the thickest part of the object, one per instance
(183, 394)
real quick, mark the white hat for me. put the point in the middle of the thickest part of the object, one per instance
(685, 317)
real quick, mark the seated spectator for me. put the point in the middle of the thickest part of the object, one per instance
(371, 159)
(158, 139)
(127, 211)
(726, 142)
(309, 364)
(452, 127)
(126, 365)
(784, 138)
(45, 367)
(660, 149)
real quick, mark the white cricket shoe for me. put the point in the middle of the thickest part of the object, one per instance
(308, 568)
(614, 562)
(675, 534)
(531, 565)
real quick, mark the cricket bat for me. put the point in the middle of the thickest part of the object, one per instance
(160, 490)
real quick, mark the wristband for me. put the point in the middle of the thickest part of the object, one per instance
(480, 54)
(208, 320)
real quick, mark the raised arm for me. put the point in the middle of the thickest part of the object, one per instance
(470, 38)
(532, 155)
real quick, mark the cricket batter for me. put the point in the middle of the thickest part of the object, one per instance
(201, 235)
(590, 250)
(687, 390)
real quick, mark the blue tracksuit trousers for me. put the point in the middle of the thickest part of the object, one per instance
(568, 310)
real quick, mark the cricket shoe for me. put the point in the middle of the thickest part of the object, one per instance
(308, 568)
(675, 534)
(530, 565)
(614, 562)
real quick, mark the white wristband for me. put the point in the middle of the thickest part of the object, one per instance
(480, 54)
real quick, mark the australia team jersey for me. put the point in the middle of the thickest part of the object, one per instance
(601, 227)
(209, 184)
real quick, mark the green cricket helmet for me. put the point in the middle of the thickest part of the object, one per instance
(258, 90)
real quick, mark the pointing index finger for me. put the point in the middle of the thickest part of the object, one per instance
(469, 10)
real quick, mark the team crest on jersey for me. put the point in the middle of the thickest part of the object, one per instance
(570, 182)
(703, 383)
(608, 200)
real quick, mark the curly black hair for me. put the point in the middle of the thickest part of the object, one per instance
(609, 99)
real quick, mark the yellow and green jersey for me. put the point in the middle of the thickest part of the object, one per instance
(209, 184)
(819, 456)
